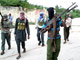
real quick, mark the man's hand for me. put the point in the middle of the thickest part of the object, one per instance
(43, 30)
(28, 37)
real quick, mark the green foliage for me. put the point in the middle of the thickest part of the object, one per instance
(25, 4)
(22, 3)
(75, 13)
(9, 2)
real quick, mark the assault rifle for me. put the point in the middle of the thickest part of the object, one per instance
(71, 7)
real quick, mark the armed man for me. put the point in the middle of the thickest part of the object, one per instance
(5, 33)
(54, 38)
(53, 28)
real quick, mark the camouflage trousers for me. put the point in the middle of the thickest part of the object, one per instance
(53, 55)
(5, 36)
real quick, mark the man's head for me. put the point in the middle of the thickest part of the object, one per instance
(10, 14)
(22, 15)
(50, 12)
(41, 13)
(5, 17)
(68, 15)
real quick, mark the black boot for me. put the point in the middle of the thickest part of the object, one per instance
(67, 39)
(39, 43)
(65, 42)
(43, 45)
(2, 52)
(24, 50)
(9, 48)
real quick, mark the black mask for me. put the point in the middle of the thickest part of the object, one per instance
(50, 12)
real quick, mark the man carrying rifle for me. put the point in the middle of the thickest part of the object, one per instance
(54, 38)
(53, 28)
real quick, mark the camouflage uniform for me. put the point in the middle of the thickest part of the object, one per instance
(5, 34)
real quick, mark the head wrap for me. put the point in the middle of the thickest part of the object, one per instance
(5, 17)
(22, 15)
(50, 12)
(41, 16)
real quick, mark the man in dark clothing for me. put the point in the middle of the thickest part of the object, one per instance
(54, 38)
(21, 27)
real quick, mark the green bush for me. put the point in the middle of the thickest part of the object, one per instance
(9, 2)
(25, 4)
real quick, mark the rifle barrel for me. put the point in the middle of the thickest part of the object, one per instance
(73, 7)
(67, 10)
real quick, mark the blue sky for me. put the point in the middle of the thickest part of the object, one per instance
(53, 3)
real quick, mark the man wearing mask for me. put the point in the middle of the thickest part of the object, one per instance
(21, 27)
(39, 24)
(54, 38)
(5, 32)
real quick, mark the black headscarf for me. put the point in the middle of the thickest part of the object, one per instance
(50, 12)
